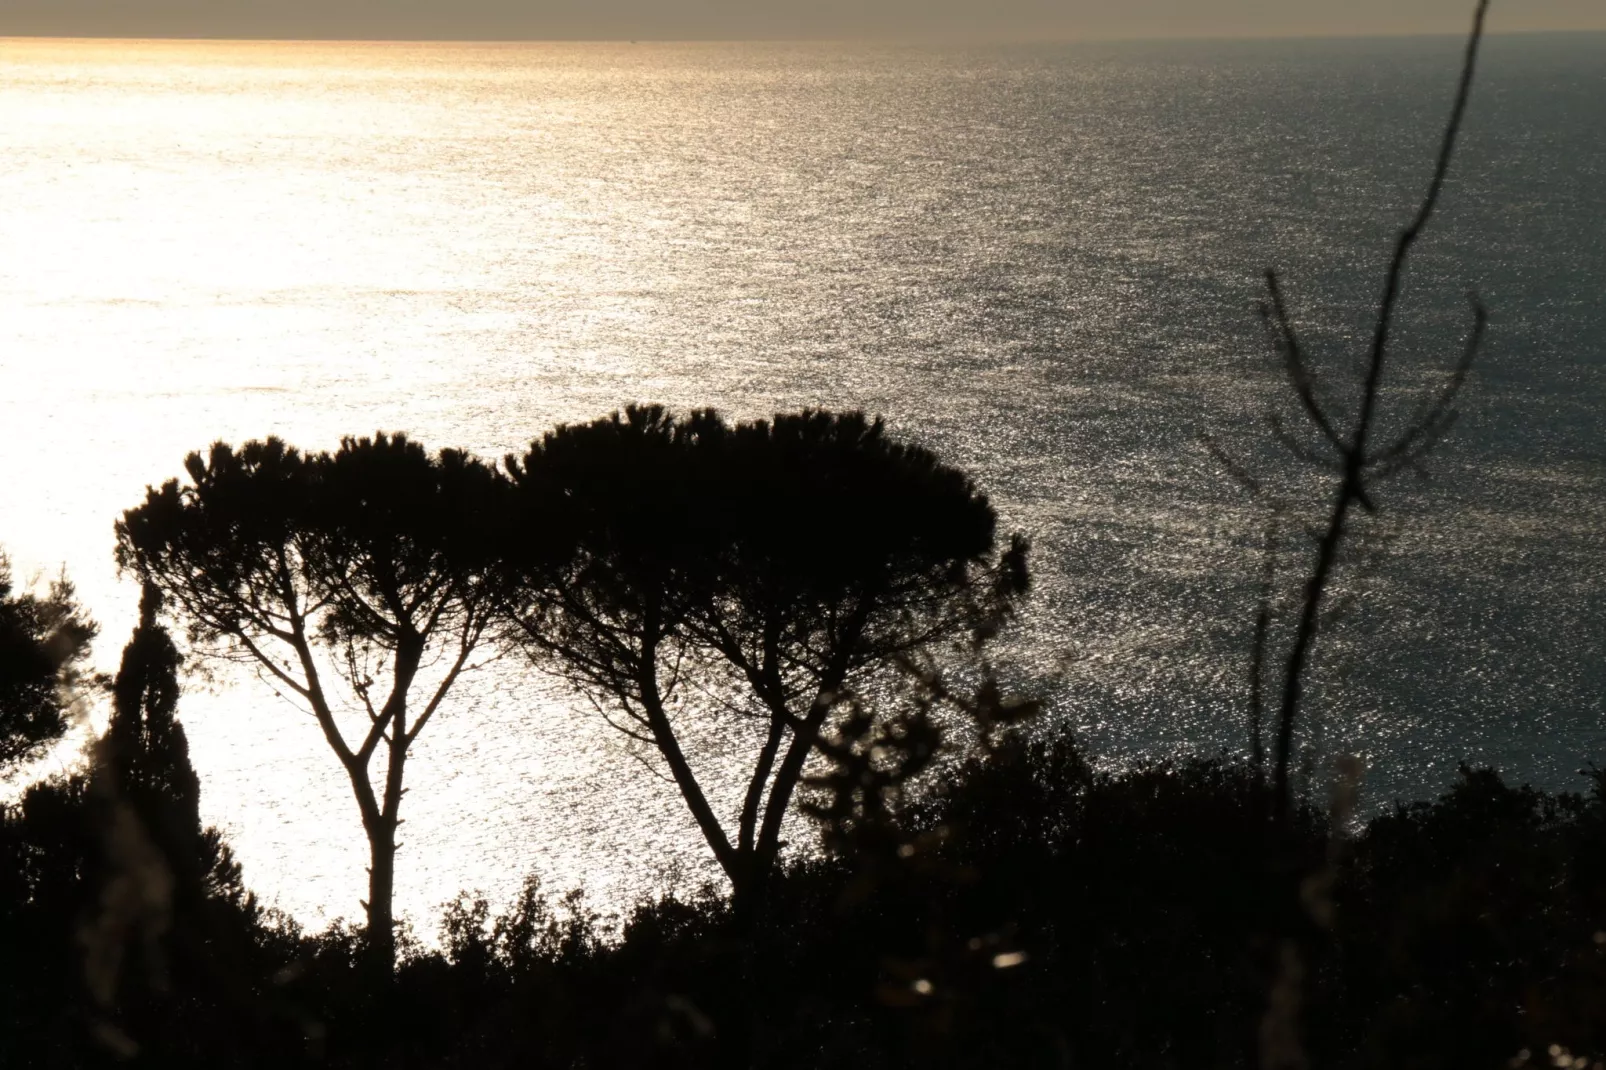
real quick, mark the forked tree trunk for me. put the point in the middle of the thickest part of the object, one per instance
(382, 829)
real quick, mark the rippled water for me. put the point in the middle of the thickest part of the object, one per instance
(1041, 262)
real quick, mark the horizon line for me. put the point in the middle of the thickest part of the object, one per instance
(867, 39)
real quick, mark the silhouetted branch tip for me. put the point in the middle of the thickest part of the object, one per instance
(1286, 343)
(1239, 472)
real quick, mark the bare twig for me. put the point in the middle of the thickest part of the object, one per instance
(1356, 464)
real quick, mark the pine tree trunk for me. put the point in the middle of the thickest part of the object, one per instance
(381, 896)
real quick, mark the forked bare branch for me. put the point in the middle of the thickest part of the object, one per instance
(1355, 464)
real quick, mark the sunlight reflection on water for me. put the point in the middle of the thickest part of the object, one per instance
(1040, 262)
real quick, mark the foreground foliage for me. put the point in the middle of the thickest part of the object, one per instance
(43, 637)
(1040, 914)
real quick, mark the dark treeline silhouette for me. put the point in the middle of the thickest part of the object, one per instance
(121, 911)
(1036, 913)
(977, 894)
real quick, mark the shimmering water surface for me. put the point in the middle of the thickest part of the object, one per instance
(1042, 262)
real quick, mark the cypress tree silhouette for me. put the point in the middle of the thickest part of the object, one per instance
(169, 937)
(145, 747)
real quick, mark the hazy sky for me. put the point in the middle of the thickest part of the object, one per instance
(698, 19)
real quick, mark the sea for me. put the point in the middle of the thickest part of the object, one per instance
(1041, 261)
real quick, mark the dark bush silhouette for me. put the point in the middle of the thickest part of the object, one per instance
(133, 931)
(1048, 914)
(44, 639)
(1470, 927)
(329, 567)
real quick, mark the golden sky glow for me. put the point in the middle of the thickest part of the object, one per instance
(748, 19)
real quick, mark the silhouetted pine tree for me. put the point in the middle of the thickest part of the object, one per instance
(331, 571)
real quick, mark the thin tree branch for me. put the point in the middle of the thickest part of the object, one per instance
(1437, 415)
(1299, 375)
(1408, 236)
(1352, 487)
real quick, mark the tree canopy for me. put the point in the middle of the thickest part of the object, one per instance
(329, 569)
(660, 561)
